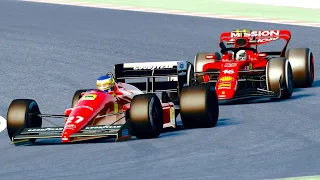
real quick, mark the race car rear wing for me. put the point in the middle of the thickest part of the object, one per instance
(177, 73)
(257, 37)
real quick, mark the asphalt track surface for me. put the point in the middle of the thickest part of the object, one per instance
(49, 51)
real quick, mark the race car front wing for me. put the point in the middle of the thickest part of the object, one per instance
(118, 132)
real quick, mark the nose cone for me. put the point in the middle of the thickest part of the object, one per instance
(83, 112)
(225, 87)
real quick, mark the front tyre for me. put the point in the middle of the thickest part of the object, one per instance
(23, 113)
(146, 116)
(76, 97)
(279, 77)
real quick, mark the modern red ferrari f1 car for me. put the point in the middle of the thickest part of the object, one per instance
(241, 71)
(124, 112)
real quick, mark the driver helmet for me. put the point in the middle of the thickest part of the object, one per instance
(241, 55)
(105, 83)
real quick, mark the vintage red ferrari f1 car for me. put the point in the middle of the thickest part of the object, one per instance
(124, 112)
(241, 71)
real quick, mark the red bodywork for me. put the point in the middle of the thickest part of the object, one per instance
(97, 103)
(229, 70)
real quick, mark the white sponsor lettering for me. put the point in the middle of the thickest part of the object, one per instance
(61, 129)
(70, 126)
(45, 129)
(267, 40)
(87, 107)
(223, 88)
(230, 64)
(102, 127)
(257, 34)
(226, 71)
(152, 67)
(3, 123)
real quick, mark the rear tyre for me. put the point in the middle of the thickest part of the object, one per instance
(279, 77)
(199, 106)
(302, 63)
(77, 95)
(200, 60)
(22, 113)
(146, 116)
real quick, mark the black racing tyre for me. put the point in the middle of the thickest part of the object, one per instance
(22, 113)
(302, 63)
(76, 97)
(146, 116)
(199, 106)
(200, 60)
(279, 77)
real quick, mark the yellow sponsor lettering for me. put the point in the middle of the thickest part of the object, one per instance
(89, 97)
(224, 85)
(116, 107)
(172, 114)
(226, 78)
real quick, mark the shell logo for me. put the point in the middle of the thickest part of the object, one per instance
(226, 78)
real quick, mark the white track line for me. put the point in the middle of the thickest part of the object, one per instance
(208, 15)
(3, 123)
